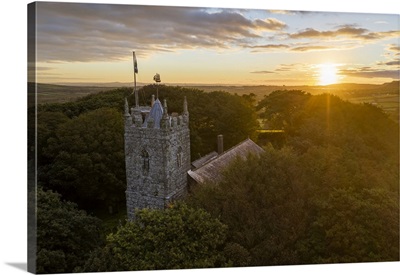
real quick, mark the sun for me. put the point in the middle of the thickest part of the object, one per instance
(327, 74)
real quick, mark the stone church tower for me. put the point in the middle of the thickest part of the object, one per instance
(157, 156)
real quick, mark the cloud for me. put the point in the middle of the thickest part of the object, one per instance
(280, 12)
(390, 63)
(42, 68)
(292, 67)
(343, 31)
(311, 48)
(393, 48)
(284, 69)
(349, 36)
(381, 22)
(100, 32)
(288, 12)
(270, 24)
(303, 47)
(393, 51)
(368, 72)
(268, 47)
(77, 32)
(346, 31)
(262, 72)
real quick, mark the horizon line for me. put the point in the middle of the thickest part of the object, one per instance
(129, 84)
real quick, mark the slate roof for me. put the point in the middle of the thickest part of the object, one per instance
(201, 161)
(211, 170)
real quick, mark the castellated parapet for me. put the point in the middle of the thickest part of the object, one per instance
(157, 156)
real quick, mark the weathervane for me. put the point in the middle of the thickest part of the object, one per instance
(157, 79)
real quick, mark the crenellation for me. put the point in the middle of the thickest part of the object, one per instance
(150, 123)
(174, 122)
(137, 118)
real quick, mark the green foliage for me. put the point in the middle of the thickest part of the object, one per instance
(323, 206)
(65, 234)
(47, 124)
(236, 255)
(331, 197)
(327, 120)
(87, 156)
(179, 237)
(260, 201)
(280, 106)
(350, 202)
(251, 99)
(353, 226)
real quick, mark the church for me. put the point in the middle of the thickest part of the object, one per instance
(157, 155)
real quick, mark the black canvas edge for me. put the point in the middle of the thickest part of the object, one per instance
(32, 139)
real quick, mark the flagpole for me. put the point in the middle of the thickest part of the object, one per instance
(136, 94)
(134, 80)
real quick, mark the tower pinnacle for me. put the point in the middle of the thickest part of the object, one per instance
(185, 106)
(126, 107)
(165, 107)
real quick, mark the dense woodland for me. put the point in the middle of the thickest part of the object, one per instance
(325, 192)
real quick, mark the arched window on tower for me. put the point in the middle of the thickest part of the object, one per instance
(145, 162)
(179, 157)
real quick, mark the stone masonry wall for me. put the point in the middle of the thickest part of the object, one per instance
(157, 161)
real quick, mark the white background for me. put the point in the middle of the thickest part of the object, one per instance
(13, 133)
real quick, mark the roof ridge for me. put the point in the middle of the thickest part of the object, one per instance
(237, 145)
(227, 151)
(211, 170)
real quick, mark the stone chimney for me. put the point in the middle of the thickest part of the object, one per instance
(220, 139)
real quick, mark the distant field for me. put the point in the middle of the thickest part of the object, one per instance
(387, 102)
(259, 91)
(49, 93)
(385, 96)
(345, 91)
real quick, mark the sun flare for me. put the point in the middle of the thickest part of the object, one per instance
(327, 74)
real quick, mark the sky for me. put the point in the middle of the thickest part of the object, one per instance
(93, 43)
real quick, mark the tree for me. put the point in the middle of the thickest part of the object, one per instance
(175, 238)
(65, 234)
(327, 120)
(353, 226)
(349, 200)
(88, 159)
(325, 205)
(47, 124)
(260, 200)
(279, 107)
